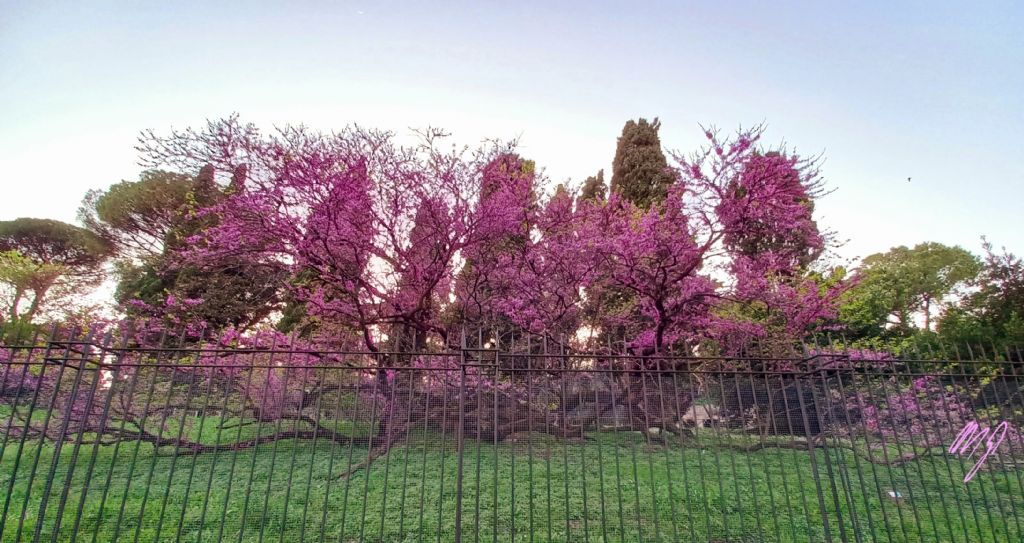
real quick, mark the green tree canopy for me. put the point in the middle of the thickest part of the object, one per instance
(897, 287)
(640, 172)
(41, 259)
(48, 241)
(149, 221)
(138, 217)
(993, 314)
(594, 188)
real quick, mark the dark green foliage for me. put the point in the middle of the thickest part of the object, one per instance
(19, 332)
(993, 315)
(640, 175)
(897, 287)
(237, 292)
(42, 259)
(137, 281)
(149, 221)
(137, 216)
(640, 172)
(594, 188)
(294, 317)
(46, 241)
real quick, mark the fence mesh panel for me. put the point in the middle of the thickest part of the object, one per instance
(524, 440)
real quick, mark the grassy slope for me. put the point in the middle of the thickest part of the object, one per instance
(618, 487)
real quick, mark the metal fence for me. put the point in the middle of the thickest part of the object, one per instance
(528, 442)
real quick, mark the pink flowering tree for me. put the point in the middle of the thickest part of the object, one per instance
(507, 214)
(384, 237)
(723, 257)
(397, 246)
(392, 249)
(374, 233)
(373, 229)
(533, 273)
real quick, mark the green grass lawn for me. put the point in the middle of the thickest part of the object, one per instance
(614, 488)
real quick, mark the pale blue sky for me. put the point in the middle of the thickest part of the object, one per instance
(928, 90)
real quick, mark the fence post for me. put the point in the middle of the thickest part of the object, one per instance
(832, 475)
(460, 439)
(810, 449)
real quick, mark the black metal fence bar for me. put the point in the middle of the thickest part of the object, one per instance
(514, 440)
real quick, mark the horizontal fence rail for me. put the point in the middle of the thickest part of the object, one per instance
(102, 442)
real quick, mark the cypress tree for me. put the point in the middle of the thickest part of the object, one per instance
(640, 171)
(594, 188)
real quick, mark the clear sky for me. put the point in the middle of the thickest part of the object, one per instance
(933, 91)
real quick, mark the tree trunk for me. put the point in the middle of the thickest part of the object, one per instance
(36, 302)
(927, 314)
(15, 302)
